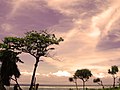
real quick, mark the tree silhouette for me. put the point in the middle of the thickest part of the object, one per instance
(114, 69)
(74, 79)
(98, 81)
(9, 67)
(84, 75)
(34, 43)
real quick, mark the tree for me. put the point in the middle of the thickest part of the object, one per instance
(84, 75)
(98, 81)
(74, 79)
(34, 43)
(113, 71)
(9, 67)
(1, 84)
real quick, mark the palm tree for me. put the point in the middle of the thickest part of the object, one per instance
(74, 79)
(98, 81)
(114, 69)
(84, 75)
(9, 67)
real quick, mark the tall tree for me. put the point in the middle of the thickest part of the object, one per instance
(99, 82)
(113, 71)
(84, 75)
(9, 67)
(36, 44)
(74, 79)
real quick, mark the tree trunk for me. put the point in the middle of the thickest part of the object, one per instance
(83, 85)
(76, 85)
(36, 86)
(33, 76)
(18, 84)
(102, 85)
(113, 82)
(1, 85)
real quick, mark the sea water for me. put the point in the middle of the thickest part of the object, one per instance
(56, 87)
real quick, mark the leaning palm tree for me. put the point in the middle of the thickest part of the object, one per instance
(114, 69)
(9, 67)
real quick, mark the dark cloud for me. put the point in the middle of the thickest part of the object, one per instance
(35, 19)
(5, 8)
(27, 17)
(91, 7)
(111, 41)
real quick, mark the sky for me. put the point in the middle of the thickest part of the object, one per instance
(90, 28)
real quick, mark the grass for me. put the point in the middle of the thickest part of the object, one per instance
(106, 89)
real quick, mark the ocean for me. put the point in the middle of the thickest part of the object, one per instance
(57, 87)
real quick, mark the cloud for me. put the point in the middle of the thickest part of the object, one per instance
(61, 6)
(100, 75)
(28, 73)
(62, 73)
(5, 8)
(58, 74)
(6, 27)
(110, 16)
(110, 42)
(111, 62)
(26, 15)
(21, 5)
(76, 7)
(106, 23)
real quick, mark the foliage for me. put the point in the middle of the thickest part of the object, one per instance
(71, 79)
(97, 80)
(114, 70)
(83, 74)
(9, 67)
(34, 43)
